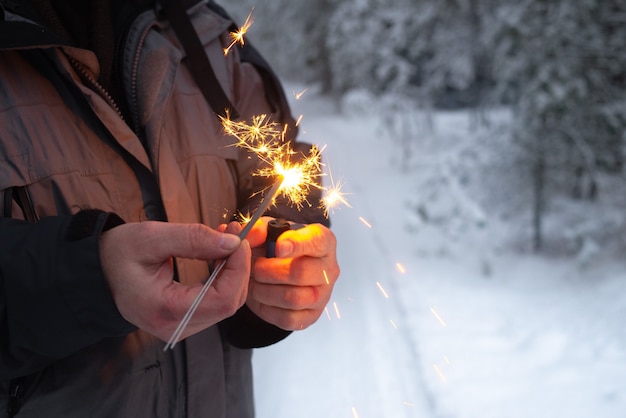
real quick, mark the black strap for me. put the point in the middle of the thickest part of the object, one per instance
(274, 92)
(199, 63)
(7, 203)
(20, 195)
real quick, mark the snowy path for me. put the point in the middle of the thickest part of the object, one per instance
(461, 333)
(354, 361)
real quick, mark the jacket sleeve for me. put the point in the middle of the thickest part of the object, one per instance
(54, 299)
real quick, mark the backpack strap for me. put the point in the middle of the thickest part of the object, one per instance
(274, 92)
(199, 63)
(20, 195)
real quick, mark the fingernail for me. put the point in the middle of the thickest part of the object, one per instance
(230, 241)
(284, 248)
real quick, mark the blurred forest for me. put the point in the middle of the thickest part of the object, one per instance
(559, 66)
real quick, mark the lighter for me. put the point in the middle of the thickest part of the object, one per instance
(275, 228)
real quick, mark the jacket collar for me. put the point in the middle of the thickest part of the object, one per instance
(18, 32)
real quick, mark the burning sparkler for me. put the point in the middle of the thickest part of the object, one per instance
(296, 175)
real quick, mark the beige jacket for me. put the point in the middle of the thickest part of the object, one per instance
(64, 145)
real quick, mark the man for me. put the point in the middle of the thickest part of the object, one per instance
(107, 130)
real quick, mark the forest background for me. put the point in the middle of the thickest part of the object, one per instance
(554, 171)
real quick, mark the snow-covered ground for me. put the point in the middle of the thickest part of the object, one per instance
(432, 319)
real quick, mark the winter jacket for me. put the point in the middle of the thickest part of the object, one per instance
(71, 166)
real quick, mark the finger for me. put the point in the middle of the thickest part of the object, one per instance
(195, 241)
(286, 319)
(289, 297)
(227, 294)
(301, 271)
(258, 233)
(313, 240)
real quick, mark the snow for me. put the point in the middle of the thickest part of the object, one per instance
(429, 320)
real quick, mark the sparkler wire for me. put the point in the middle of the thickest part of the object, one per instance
(178, 332)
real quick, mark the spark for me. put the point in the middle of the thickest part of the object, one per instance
(400, 268)
(333, 196)
(327, 313)
(299, 120)
(354, 413)
(439, 372)
(243, 218)
(393, 324)
(237, 37)
(434, 311)
(380, 287)
(299, 95)
(265, 139)
(409, 404)
(337, 310)
(446, 359)
(326, 277)
(367, 224)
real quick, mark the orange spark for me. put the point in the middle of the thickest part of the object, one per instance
(326, 276)
(327, 313)
(439, 372)
(299, 120)
(299, 95)
(434, 311)
(380, 287)
(400, 268)
(333, 196)
(264, 138)
(367, 224)
(237, 37)
(337, 310)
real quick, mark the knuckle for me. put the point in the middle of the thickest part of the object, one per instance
(300, 297)
(196, 236)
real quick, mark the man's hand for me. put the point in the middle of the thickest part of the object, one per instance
(292, 290)
(138, 265)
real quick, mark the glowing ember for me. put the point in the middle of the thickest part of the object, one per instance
(327, 313)
(337, 310)
(367, 224)
(333, 196)
(299, 95)
(434, 311)
(237, 37)
(380, 287)
(439, 373)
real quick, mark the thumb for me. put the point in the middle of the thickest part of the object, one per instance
(195, 241)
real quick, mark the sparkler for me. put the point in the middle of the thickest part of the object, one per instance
(178, 332)
(265, 139)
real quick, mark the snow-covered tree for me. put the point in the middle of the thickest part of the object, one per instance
(561, 65)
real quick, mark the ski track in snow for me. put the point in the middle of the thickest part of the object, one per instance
(530, 338)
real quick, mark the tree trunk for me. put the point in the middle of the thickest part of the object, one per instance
(539, 186)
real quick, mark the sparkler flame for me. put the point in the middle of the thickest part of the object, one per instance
(300, 172)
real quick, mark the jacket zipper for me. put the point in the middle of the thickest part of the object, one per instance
(134, 99)
(118, 65)
(94, 84)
